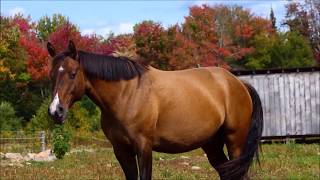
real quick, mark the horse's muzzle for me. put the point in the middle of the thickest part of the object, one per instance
(58, 115)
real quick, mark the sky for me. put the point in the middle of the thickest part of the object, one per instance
(103, 17)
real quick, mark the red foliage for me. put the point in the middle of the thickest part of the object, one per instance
(37, 61)
(182, 54)
(22, 23)
(244, 31)
(150, 39)
(122, 42)
(61, 37)
(37, 56)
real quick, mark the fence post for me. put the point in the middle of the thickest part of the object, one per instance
(42, 141)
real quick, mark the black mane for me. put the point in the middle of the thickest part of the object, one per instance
(109, 67)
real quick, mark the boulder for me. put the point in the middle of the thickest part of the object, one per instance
(14, 157)
(44, 156)
(29, 157)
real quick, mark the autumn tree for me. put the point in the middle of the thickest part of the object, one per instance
(12, 60)
(200, 28)
(150, 39)
(91, 43)
(123, 45)
(210, 36)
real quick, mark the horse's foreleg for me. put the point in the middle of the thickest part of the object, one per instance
(145, 159)
(127, 160)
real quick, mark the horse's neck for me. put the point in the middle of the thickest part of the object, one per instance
(109, 95)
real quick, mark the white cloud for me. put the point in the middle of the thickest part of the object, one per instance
(125, 28)
(100, 31)
(210, 2)
(199, 3)
(16, 10)
(87, 31)
(121, 28)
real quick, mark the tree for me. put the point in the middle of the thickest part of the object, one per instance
(285, 50)
(92, 43)
(273, 19)
(12, 55)
(9, 120)
(305, 19)
(14, 84)
(123, 45)
(200, 27)
(165, 49)
(150, 39)
(210, 36)
(47, 25)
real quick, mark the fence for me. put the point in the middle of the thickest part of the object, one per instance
(20, 141)
(23, 142)
(290, 100)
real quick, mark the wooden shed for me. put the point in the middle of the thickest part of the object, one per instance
(290, 100)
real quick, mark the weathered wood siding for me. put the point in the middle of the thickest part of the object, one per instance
(291, 102)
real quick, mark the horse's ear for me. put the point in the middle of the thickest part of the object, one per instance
(72, 49)
(51, 49)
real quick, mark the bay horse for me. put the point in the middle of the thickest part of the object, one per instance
(144, 109)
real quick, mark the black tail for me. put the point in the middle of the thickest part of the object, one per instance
(238, 168)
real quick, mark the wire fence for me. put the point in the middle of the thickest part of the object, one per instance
(21, 141)
(26, 142)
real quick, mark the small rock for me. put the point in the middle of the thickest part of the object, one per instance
(205, 155)
(14, 157)
(161, 159)
(44, 156)
(2, 156)
(195, 168)
(185, 163)
(184, 157)
(29, 157)
(109, 165)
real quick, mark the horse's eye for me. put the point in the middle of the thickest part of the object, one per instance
(73, 75)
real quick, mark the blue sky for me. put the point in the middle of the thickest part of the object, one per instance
(102, 17)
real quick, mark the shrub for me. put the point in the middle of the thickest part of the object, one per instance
(41, 121)
(61, 141)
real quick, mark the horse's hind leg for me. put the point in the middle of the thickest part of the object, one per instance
(214, 150)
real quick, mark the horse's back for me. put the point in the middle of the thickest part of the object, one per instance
(192, 105)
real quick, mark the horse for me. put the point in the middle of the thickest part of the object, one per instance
(144, 109)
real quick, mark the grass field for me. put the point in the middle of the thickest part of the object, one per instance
(279, 161)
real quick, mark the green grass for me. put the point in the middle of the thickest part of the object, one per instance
(278, 161)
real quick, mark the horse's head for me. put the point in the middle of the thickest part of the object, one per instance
(67, 80)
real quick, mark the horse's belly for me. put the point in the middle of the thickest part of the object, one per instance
(184, 135)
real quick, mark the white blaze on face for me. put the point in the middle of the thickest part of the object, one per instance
(60, 69)
(54, 104)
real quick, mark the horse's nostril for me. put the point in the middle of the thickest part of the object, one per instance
(60, 109)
